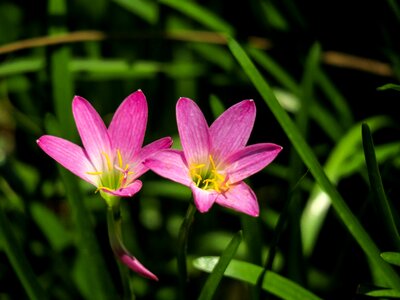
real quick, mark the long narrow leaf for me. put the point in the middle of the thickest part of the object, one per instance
(200, 14)
(337, 165)
(218, 271)
(247, 272)
(391, 257)
(377, 185)
(310, 160)
(147, 10)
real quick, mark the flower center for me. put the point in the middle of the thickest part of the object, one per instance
(115, 174)
(207, 177)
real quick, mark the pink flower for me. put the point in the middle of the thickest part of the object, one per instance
(111, 158)
(215, 160)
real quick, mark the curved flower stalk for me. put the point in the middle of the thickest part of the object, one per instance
(114, 232)
(215, 160)
(111, 158)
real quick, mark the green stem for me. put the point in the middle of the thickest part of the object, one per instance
(182, 246)
(115, 236)
(19, 261)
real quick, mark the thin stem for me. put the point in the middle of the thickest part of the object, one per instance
(115, 237)
(182, 246)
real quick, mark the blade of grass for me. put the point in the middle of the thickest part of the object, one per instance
(59, 238)
(336, 98)
(200, 14)
(305, 152)
(22, 65)
(336, 166)
(61, 78)
(391, 257)
(209, 288)
(389, 86)
(265, 61)
(377, 186)
(147, 10)
(291, 210)
(247, 272)
(18, 260)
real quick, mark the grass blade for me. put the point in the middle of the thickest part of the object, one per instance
(377, 186)
(391, 257)
(147, 10)
(340, 162)
(247, 272)
(200, 14)
(219, 268)
(303, 149)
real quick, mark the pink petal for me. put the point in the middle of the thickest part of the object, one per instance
(69, 155)
(149, 150)
(232, 129)
(249, 160)
(128, 191)
(136, 266)
(193, 131)
(128, 126)
(92, 130)
(240, 197)
(203, 199)
(170, 164)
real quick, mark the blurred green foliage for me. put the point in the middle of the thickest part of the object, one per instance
(332, 66)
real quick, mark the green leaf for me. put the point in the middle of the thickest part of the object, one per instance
(391, 257)
(217, 107)
(382, 293)
(214, 54)
(303, 149)
(21, 65)
(217, 273)
(337, 165)
(389, 86)
(339, 103)
(377, 185)
(51, 226)
(275, 70)
(147, 10)
(247, 272)
(200, 14)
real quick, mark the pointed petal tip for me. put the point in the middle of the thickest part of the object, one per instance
(132, 263)
(184, 99)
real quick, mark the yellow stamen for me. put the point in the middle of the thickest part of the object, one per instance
(103, 188)
(94, 173)
(212, 162)
(207, 177)
(119, 158)
(109, 165)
